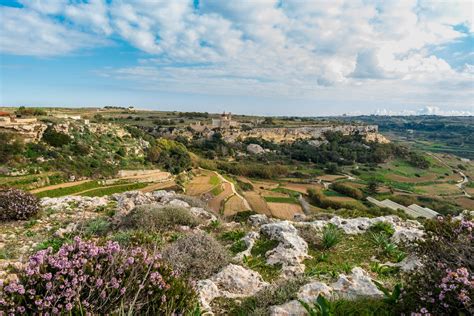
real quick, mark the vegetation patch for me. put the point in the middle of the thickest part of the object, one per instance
(280, 199)
(158, 218)
(115, 189)
(197, 255)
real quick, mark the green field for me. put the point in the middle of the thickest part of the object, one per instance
(115, 189)
(278, 199)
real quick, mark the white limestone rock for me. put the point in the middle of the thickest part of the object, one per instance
(259, 219)
(236, 281)
(201, 213)
(69, 202)
(207, 291)
(358, 284)
(291, 308)
(291, 249)
(178, 203)
(255, 149)
(249, 241)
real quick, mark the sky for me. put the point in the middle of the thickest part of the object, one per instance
(266, 57)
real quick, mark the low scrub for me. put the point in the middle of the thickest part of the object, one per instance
(197, 254)
(84, 278)
(158, 218)
(17, 204)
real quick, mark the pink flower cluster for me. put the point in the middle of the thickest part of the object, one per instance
(85, 277)
(17, 204)
(458, 284)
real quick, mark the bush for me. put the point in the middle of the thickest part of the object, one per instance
(444, 285)
(347, 190)
(17, 204)
(331, 236)
(319, 199)
(54, 138)
(197, 254)
(158, 218)
(84, 278)
(172, 155)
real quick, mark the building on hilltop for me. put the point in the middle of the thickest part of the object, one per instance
(224, 121)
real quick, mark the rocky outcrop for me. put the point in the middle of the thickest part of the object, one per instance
(291, 249)
(74, 202)
(351, 287)
(255, 149)
(404, 230)
(233, 281)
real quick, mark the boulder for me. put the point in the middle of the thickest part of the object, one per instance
(236, 281)
(291, 249)
(178, 203)
(207, 291)
(203, 214)
(358, 284)
(255, 149)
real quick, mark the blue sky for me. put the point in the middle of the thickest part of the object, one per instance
(257, 57)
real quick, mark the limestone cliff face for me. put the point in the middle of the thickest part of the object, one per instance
(29, 131)
(376, 137)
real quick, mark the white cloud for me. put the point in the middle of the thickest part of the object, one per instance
(259, 46)
(25, 32)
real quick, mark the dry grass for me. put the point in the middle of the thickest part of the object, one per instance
(234, 205)
(302, 188)
(199, 184)
(284, 210)
(257, 203)
(216, 203)
(330, 177)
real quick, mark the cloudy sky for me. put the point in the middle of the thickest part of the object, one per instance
(282, 57)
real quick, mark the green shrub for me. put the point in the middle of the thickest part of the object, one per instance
(242, 217)
(54, 138)
(347, 190)
(17, 204)
(383, 227)
(232, 235)
(171, 155)
(97, 227)
(197, 254)
(158, 218)
(238, 246)
(276, 294)
(331, 236)
(137, 237)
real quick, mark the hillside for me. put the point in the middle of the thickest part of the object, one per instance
(249, 264)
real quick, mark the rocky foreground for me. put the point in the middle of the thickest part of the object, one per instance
(236, 280)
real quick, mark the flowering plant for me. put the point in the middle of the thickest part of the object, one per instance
(445, 283)
(17, 204)
(83, 278)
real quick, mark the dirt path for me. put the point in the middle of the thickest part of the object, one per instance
(232, 186)
(59, 186)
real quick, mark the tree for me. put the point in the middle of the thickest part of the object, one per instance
(171, 155)
(373, 186)
(54, 138)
